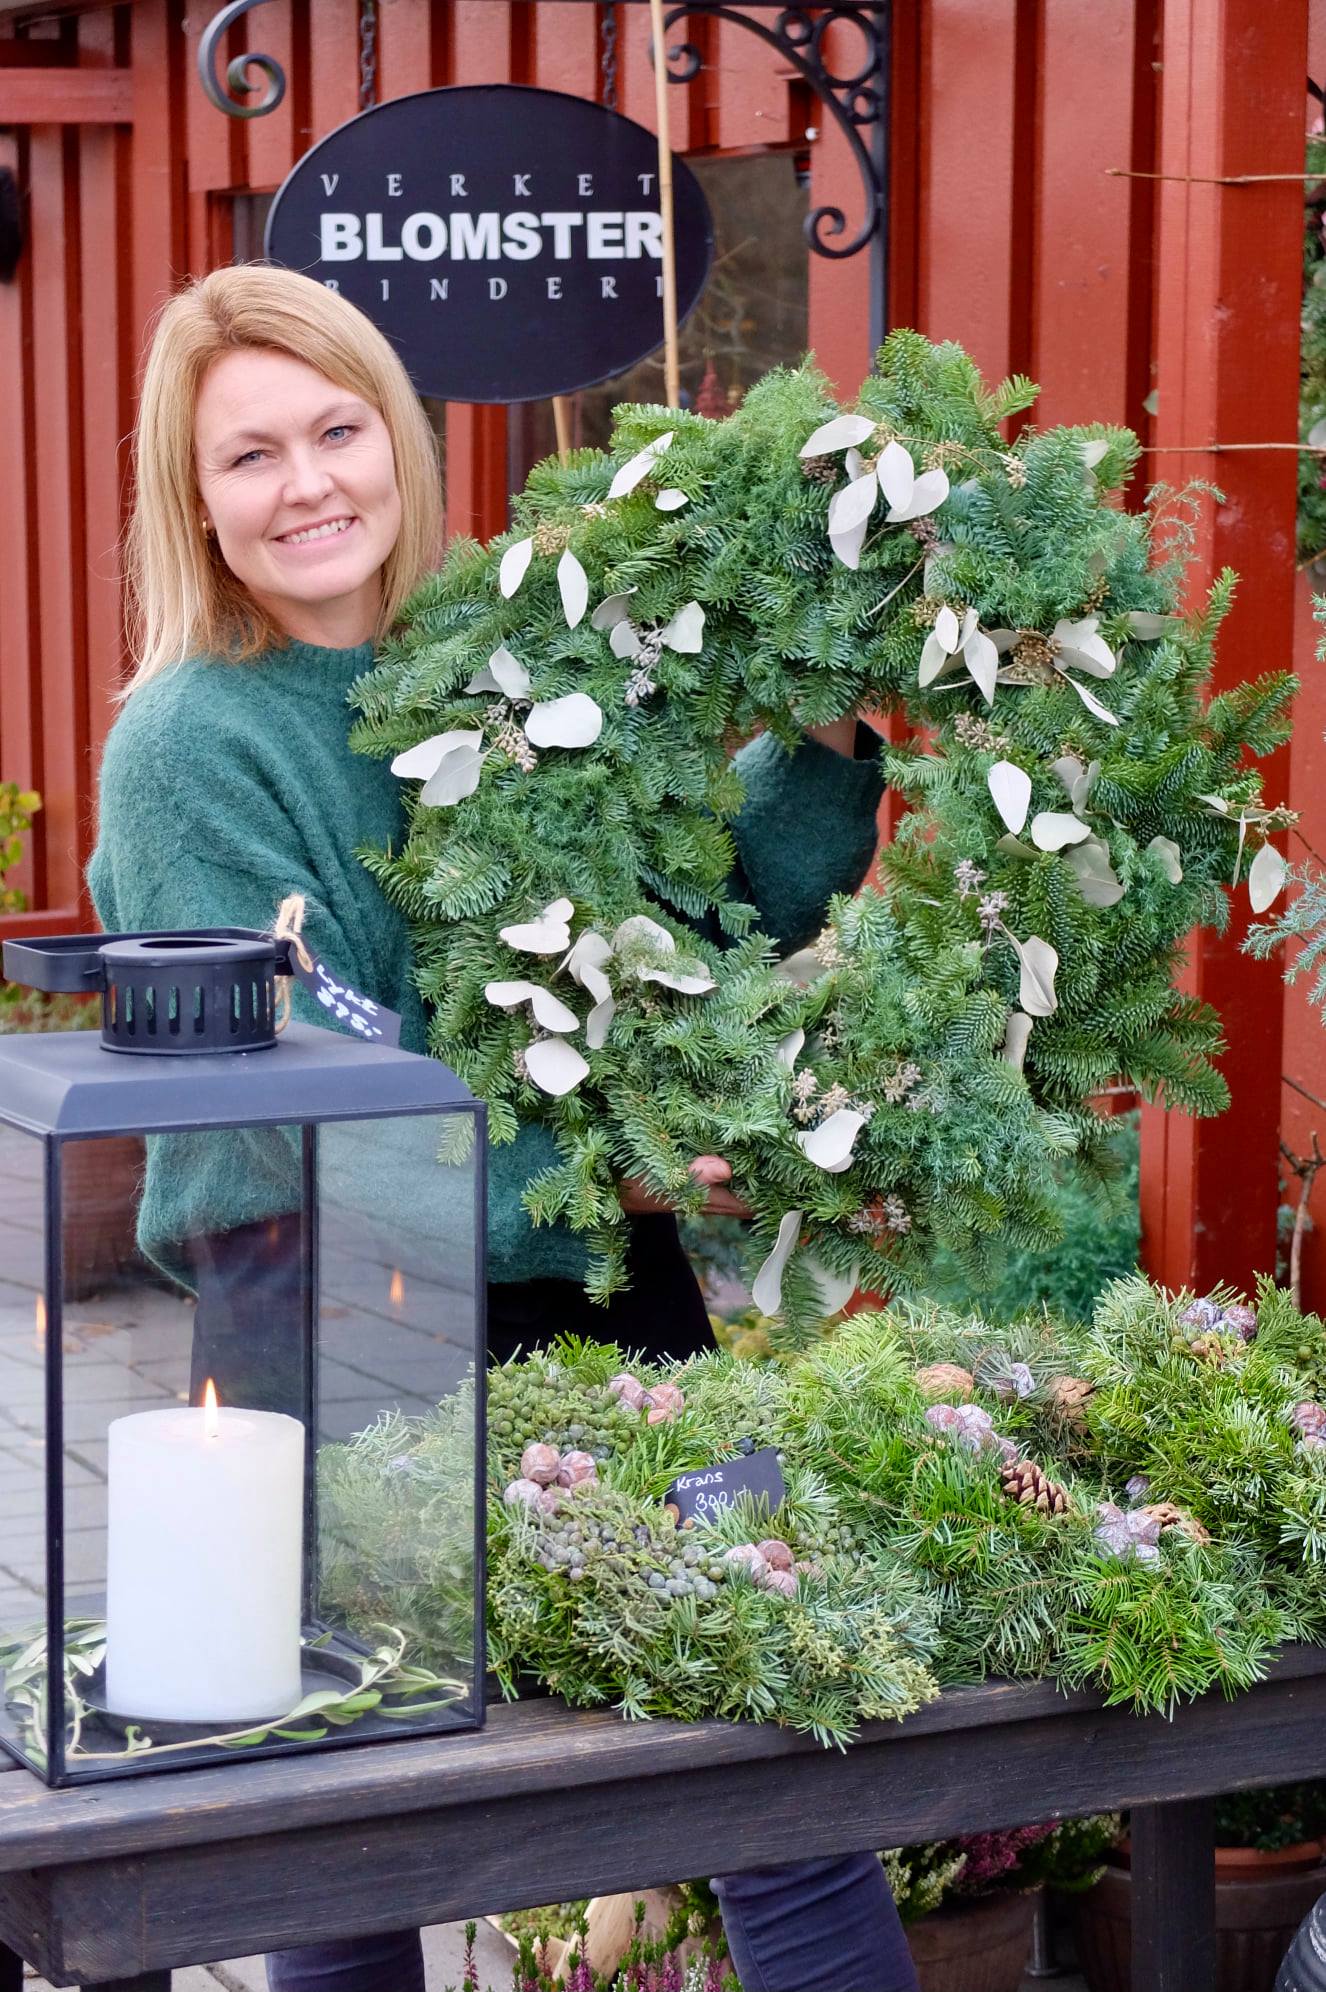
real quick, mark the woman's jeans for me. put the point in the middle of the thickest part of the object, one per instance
(816, 1926)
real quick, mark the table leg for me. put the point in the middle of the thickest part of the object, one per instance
(11, 1971)
(1173, 1867)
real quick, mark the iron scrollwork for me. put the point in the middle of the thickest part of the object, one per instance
(239, 70)
(855, 97)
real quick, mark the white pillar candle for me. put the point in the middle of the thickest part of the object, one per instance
(204, 1564)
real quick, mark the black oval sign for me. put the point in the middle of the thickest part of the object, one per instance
(507, 240)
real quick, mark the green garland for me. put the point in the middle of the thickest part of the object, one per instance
(1312, 387)
(1176, 1448)
(1075, 809)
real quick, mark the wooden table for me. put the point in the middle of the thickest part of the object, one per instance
(111, 1885)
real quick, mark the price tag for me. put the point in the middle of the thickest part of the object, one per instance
(704, 1493)
(343, 1005)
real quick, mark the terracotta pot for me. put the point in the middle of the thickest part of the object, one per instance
(1250, 1863)
(1255, 1921)
(977, 1946)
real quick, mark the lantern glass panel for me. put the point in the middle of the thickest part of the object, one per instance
(23, 1354)
(270, 1522)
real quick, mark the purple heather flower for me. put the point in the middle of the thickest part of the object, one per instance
(1128, 1533)
(1201, 1317)
(1241, 1320)
(967, 1425)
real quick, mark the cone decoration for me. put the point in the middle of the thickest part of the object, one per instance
(1025, 1482)
(1170, 1517)
(946, 1383)
(1068, 1397)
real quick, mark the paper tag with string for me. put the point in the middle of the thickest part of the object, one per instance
(372, 1022)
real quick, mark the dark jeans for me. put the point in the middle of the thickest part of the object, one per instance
(816, 1926)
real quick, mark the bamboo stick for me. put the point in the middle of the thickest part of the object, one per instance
(671, 362)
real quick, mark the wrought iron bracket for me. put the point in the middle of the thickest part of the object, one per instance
(239, 70)
(856, 96)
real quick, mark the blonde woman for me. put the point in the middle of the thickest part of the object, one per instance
(286, 503)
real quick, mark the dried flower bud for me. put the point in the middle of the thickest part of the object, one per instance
(665, 1397)
(1241, 1320)
(628, 1388)
(748, 1557)
(811, 1570)
(776, 1553)
(540, 1463)
(575, 1468)
(781, 1581)
(522, 1493)
(1138, 1488)
(660, 1415)
(1200, 1317)
(550, 1500)
(1308, 1420)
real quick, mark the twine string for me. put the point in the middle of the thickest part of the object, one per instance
(289, 927)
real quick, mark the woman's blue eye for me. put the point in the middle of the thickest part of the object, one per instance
(341, 429)
(247, 457)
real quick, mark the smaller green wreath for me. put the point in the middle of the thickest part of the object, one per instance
(563, 705)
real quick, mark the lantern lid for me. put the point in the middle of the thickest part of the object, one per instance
(62, 1083)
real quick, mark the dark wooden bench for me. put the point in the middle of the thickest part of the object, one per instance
(111, 1885)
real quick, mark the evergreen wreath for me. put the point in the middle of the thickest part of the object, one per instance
(566, 701)
(1136, 1504)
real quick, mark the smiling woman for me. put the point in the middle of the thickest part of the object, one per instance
(300, 492)
(271, 408)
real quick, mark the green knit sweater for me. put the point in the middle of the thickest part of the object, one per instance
(226, 786)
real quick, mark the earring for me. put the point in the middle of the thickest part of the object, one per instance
(209, 528)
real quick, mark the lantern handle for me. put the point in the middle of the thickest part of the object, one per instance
(60, 963)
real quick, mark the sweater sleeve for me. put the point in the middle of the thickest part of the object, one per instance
(168, 856)
(805, 831)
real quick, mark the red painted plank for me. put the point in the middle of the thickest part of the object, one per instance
(19, 718)
(1082, 232)
(333, 56)
(104, 381)
(565, 52)
(748, 102)
(56, 365)
(273, 144)
(65, 96)
(1228, 273)
(969, 125)
(158, 182)
(405, 49)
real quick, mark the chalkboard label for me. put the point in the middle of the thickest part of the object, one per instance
(360, 1015)
(507, 241)
(700, 1495)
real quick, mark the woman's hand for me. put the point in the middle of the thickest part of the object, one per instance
(637, 1199)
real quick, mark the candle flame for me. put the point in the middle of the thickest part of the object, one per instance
(397, 1288)
(40, 1320)
(211, 1417)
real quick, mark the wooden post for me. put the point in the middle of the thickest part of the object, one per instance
(1228, 273)
(671, 364)
(562, 423)
(1173, 1866)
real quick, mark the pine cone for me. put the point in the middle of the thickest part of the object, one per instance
(821, 469)
(1024, 1482)
(1068, 1397)
(946, 1383)
(1170, 1517)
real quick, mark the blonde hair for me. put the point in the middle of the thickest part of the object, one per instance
(183, 599)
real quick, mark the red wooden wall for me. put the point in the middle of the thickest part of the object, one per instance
(1023, 224)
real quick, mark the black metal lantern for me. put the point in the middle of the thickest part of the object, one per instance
(241, 1371)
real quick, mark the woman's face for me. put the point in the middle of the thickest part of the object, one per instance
(298, 480)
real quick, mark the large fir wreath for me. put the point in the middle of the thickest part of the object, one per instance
(567, 700)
